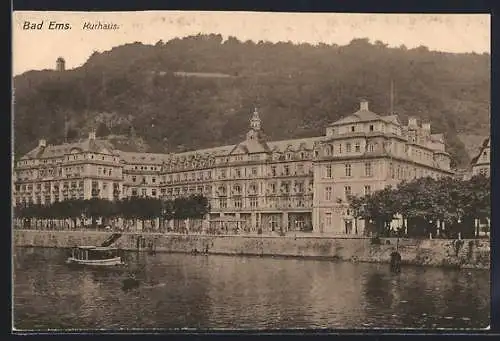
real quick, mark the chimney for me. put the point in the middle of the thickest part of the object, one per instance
(42, 143)
(427, 127)
(92, 135)
(363, 105)
(412, 122)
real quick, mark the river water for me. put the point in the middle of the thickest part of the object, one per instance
(222, 292)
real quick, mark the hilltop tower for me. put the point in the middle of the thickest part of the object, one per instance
(60, 64)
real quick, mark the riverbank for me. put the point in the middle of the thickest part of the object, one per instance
(424, 252)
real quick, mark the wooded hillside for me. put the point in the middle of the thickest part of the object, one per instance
(200, 91)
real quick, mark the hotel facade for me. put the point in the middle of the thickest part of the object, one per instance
(290, 185)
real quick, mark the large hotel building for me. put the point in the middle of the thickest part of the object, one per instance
(298, 184)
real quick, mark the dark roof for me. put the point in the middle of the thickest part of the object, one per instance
(363, 115)
(88, 145)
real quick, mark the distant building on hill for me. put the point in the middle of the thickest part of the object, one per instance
(60, 64)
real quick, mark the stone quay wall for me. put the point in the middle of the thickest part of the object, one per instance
(425, 252)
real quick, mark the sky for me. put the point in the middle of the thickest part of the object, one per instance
(39, 49)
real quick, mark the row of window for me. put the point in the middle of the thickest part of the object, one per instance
(347, 192)
(196, 164)
(34, 162)
(349, 148)
(47, 186)
(368, 170)
(364, 128)
(329, 221)
(151, 168)
(76, 170)
(65, 185)
(284, 186)
(285, 170)
(272, 202)
(401, 172)
(419, 154)
(48, 199)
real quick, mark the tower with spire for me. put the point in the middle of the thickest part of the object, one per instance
(255, 132)
(255, 120)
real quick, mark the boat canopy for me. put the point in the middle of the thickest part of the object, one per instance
(97, 248)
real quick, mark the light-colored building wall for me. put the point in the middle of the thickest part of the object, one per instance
(365, 152)
(298, 184)
(481, 163)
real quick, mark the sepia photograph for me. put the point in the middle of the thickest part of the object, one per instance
(211, 171)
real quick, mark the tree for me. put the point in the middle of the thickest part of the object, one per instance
(295, 81)
(357, 204)
(476, 203)
(381, 208)
(95, 208)
(102, 130)
(424, 202)
(415, 202)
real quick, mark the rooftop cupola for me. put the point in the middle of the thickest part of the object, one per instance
(363, 105)
(255, 121)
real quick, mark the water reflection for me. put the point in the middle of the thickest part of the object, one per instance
(213, 292)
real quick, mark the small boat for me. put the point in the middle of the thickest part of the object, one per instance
(95, 256)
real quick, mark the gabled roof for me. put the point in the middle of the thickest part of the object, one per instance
(296, 144)
(361, 115)
(239, 149)
(143, 158)
(88, 145)
(391, 119)
(484, 145)
(216, 151)
(252, 146)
